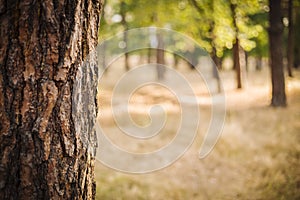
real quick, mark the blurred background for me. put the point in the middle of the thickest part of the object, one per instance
(258, 153)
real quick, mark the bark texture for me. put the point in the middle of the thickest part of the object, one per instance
(276, 51)
(45, 144)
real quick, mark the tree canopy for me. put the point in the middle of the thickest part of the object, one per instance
(209, 22)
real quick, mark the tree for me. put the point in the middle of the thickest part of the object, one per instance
(297, 34)
(290, 47)
(276, 57)
(42, 149)
(160, 56)
(227, 24)
(125, 37)
(261, 41)
(211, 38)
(236, 48)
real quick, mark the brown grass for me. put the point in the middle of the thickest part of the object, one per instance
(257, 156)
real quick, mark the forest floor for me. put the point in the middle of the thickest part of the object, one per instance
(256, 157)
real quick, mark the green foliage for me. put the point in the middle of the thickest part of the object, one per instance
(209, 22)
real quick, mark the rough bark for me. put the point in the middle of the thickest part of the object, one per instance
(290, 47)
(42, 153)
(276, 49)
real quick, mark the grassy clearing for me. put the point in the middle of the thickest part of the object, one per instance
(257, 156)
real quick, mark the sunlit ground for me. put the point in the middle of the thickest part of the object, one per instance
(257, 156)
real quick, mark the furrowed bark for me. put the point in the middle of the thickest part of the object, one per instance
(42, 46)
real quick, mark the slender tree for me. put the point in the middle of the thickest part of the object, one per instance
(276, 57)
(42, 150)
(211, 39)
(160, 56)
(236, 48)
(125, 27)
(290, 48)
(297, 34)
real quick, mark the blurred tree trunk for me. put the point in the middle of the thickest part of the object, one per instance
(258, 62)
(236, 63)
(160, 57)
(217, 60)
(297, 37)
(218, 65)
(42, 154)
(125, 37)
(290, 48)
(149, 53)
(246, 60)
(176, 60)
(276, 57)
(236, 50)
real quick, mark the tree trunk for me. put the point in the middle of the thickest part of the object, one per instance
(246, 61)
(176, 60)
(290, 48)
(215, 58)
(149, 50)
(258, 61)
(218, 64)
(297, 39)
(44, 153)
(236, 64)
(275, 37)
(160, 57)
(236, 46)
(125, 37)
(127, 68)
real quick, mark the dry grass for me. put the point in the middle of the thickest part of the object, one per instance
(257, 156)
